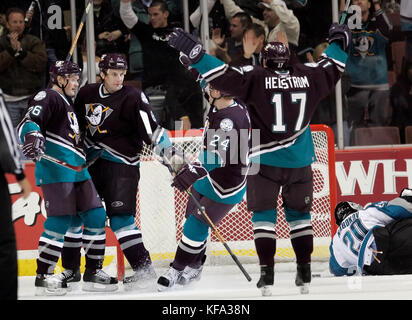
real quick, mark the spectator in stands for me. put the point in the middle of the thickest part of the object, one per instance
(401, 99)
(230, 50)
(46, 21)
(2, 23)
(368, 96)
(110, 32)
(276, 17)
(135, 52)
(183, 96)
(23, 61)
(253, 41)
(406, 25)
(216, 14)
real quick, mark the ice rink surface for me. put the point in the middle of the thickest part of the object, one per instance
(227, 283)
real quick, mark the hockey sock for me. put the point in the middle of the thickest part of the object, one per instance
(192, 245)
(72, 245)
(51, 243)
(130, 240)
(301, 234)
(94, 237)
(265, 236)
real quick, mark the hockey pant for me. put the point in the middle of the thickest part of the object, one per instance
(55, 228)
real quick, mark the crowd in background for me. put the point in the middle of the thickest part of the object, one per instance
(376, 88)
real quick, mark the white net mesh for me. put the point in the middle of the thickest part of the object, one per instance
(161, 210)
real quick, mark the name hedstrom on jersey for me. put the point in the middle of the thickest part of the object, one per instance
(286, 82)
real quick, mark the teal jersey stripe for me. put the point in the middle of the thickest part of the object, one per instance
(48, 172)
(298, 155)
(29, 126)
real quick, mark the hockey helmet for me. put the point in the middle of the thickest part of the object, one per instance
(63, 68)
(406, 194)
(344, 209)
(113, 61)
(276, 55)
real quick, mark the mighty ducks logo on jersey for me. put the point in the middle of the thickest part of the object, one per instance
(74, 125)
(363, 46)
(96, 114)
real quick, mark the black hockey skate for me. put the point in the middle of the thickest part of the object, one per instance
(303, 277)
(266, 280)
(50, 285)
(96, 280)
(72, 278)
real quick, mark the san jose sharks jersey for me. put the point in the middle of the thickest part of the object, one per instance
(117, 123)
(53, 115)
(353, 244)
(226, 145)
(280, 104)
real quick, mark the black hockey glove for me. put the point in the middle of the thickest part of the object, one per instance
(340, 32)
(34, 145)
(189, 174)
(186, 43)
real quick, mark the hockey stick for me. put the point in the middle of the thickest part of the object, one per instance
(79, 30)
(67, 165)
(211, 224)
(72, 167)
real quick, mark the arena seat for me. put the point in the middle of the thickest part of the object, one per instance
(408, 134)
(398, 53)
(376, 136)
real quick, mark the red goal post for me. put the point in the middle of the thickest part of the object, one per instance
(161, 209)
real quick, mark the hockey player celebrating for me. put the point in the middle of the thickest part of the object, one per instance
(374, 240)
(50, 127)
(281, 99)
(117, 119)
(217, 181)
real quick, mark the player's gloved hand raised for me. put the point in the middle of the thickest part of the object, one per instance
(190, 45)
(189, 174)
(174, 158)
(34, 145)
(340, 32)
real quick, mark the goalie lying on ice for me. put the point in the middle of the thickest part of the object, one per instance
(374, 240)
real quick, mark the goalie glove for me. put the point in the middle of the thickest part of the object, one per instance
(189, 174)
(341, 33)
(191, 46)
(34, 145)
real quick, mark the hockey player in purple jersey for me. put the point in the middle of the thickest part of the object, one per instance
(217, 180)
(50, 127)
(117, 119)
(281, 99)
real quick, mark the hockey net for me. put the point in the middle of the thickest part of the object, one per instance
(161, 210)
